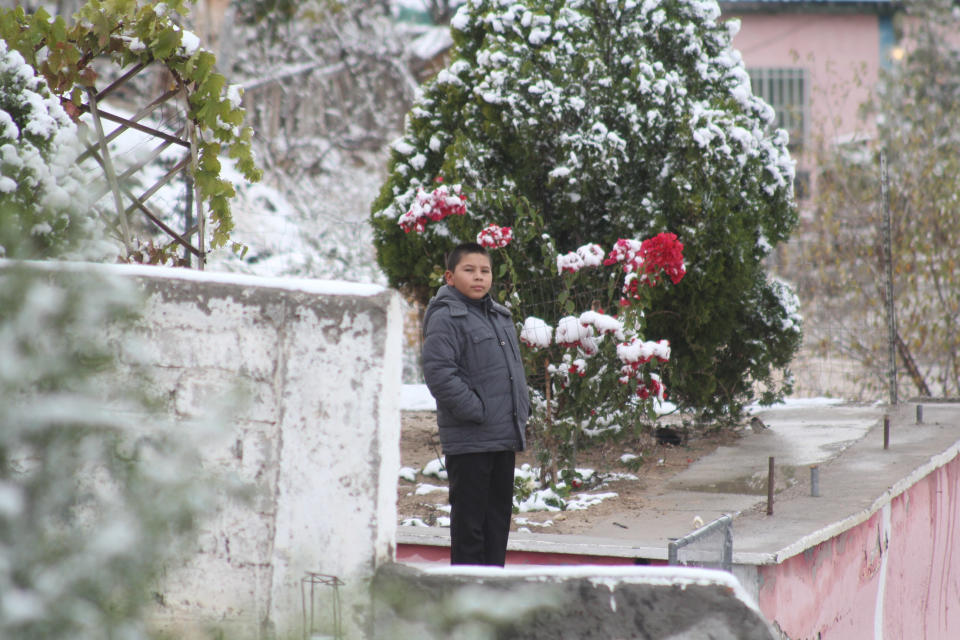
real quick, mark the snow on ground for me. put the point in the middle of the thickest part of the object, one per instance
(315, 229)
(416, 397)
(797, 403)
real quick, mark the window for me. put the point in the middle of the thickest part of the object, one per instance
(784, 89)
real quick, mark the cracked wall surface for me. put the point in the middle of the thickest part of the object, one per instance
(308, 382)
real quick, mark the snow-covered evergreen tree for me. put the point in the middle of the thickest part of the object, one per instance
(42, 208)
(608, 120)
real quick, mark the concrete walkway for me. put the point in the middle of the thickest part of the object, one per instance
(857, 476)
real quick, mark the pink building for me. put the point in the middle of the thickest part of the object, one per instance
(815, 62)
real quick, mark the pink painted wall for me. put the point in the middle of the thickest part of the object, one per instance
(421, 553)
(923, 572)
(840, 51)
(896, 575)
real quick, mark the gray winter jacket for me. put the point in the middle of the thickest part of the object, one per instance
(472, 366)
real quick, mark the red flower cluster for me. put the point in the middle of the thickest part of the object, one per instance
(495, 237)
(578, 367)
(652, 388)
(433, 206)
(663, 251)
(624, 251)
(648, 258)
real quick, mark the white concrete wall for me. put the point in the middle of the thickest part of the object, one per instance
(310, 373)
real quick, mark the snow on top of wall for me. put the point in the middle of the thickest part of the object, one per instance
(610, 576)
(306, 285)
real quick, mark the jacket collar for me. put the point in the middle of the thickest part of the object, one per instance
(449, 295)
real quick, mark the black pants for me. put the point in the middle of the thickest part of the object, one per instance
(481, 501)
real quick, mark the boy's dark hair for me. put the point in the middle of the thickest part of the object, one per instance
(455, 256)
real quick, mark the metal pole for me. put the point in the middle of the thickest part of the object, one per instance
(109, 170)
(815, 481)
(187, 208)
(888, 259)
(198, 201)
(770, 480)
(886, 432)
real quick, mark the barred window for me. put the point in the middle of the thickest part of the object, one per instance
(784, 89)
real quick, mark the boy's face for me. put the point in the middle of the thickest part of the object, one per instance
(473, 275)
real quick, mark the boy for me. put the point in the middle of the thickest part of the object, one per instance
(472, 366)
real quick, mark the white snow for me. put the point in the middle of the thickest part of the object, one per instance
(642, 351)
(11, 500)
(435, 468)
(317, 287)
(425, 488)
(416, 397)
(536, 333)
(571, 331)
(189, 43)
(603, 323)
(431, 43)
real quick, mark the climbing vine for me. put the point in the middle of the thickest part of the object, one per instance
(129, 32)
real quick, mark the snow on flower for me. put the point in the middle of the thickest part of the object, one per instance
(637, 352)
(589, 255)
(661, 252)
(603, 323)
(572, 333)
(592, 255)
(433, 206)
(643, 261)
(652, 388)
(625, 251)
(536, 333)
(570, 262)
(578, 367)
(494, 236)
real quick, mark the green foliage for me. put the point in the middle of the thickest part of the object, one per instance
(40, 185)
(909, 119)
(97, 492)
(130, 32)
(607, 121)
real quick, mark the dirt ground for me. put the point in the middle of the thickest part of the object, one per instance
(419, 445)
